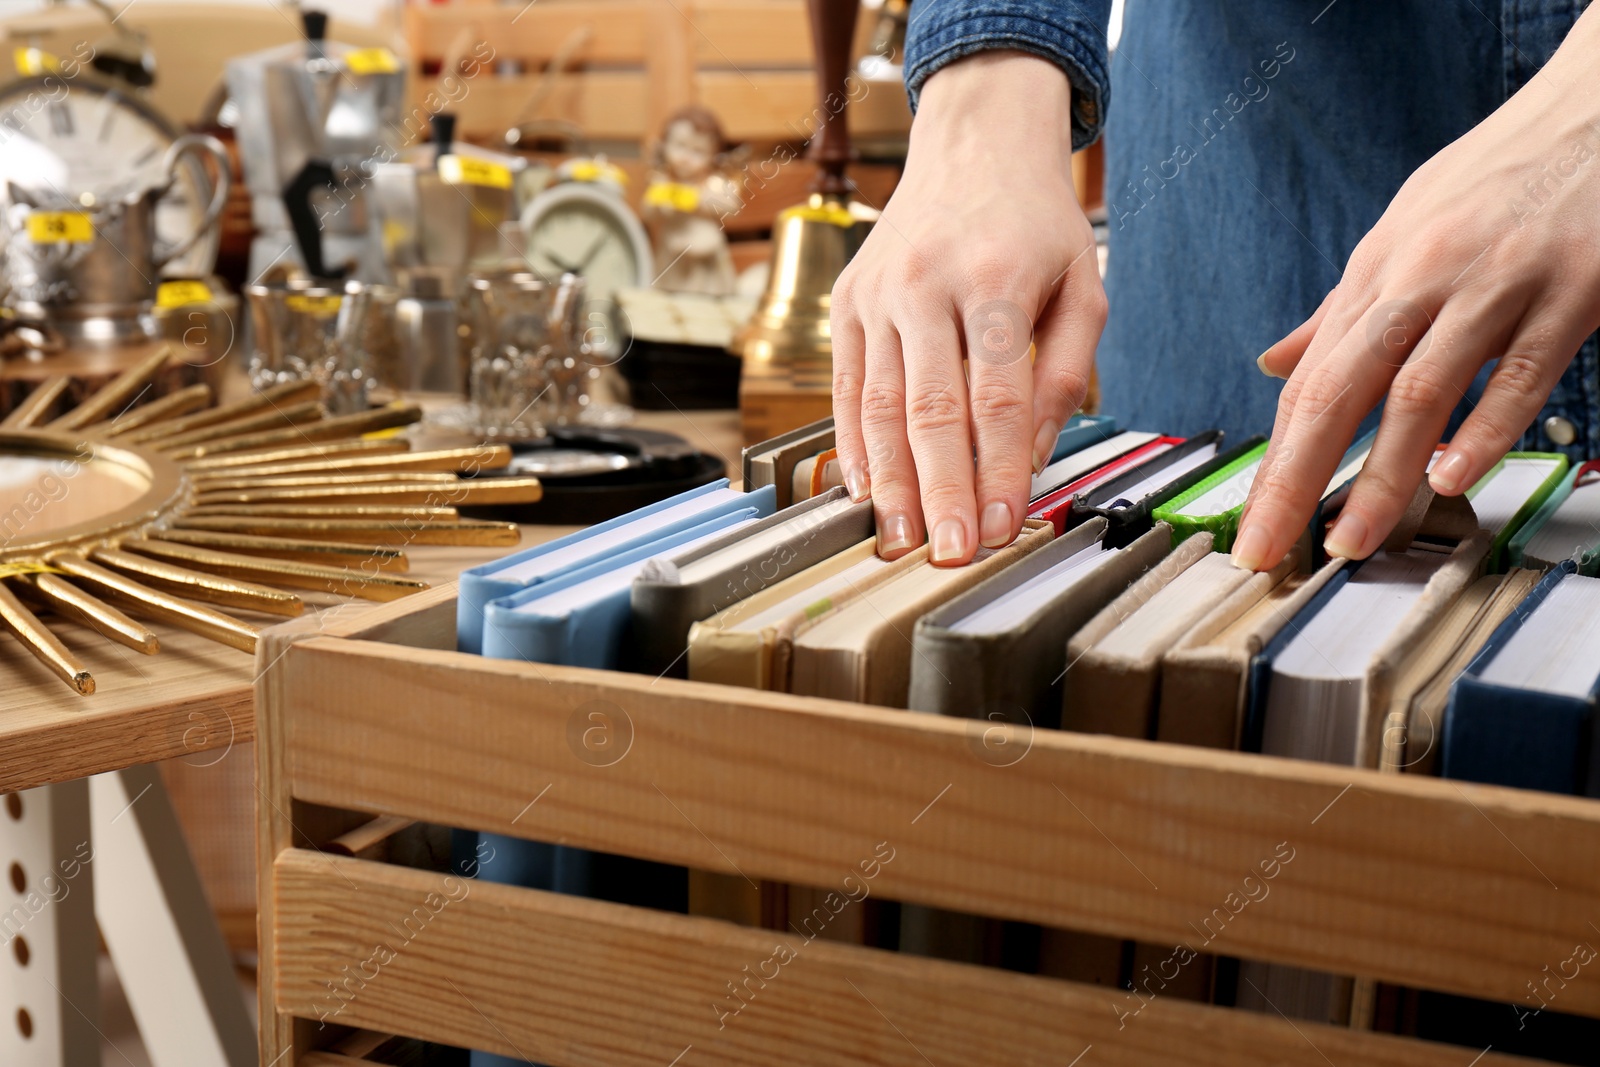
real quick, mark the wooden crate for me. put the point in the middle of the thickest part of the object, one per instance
(750, 61)
(1432, 884)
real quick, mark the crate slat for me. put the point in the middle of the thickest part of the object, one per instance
(566, 981)
(783, 105)
(1440, 885)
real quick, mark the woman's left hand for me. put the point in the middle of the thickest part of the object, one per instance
(1490, 251)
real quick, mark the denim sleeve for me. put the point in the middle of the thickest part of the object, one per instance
(1069, 33)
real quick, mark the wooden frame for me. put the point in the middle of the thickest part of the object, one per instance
(1434, 884)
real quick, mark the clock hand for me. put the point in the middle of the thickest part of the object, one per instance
(559, 262)
(594, 250)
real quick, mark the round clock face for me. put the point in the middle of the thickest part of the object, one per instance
(72, 137)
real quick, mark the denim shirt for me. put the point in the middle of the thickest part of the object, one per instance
(1253, 143)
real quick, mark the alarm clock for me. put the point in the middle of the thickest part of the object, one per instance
(586, 228)
(80, 135)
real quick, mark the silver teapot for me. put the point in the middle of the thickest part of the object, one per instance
(90, 267)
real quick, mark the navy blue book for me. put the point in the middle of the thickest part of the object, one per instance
(1523, 712)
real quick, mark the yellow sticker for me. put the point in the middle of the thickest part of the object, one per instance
(464, 170)
(26, 566)
(830, 211)
(678, 197)
(320, 306)
(590, 170)
(372, 61)
(175, 294)
(49, 227)
(32, 62)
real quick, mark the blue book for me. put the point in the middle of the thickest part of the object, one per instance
(1082, 431)
(541, 563)
(581, 618)
(1523, 712)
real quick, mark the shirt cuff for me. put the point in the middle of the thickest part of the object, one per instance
(1069, 33)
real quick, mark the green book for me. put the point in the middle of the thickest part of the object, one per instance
(1566, 526)
(1212, 504)
(1511, 493)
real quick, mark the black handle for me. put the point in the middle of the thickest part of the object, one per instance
(303, 217)
(444, 133)
(315, 24)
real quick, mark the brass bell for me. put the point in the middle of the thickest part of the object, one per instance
(811, 242)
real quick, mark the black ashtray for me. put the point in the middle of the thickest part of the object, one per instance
(592, 475)
(664, 375)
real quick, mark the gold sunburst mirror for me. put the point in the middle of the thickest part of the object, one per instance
(116, 512)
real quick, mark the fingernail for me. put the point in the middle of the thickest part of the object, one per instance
(1261, 365)
(1250, 548)
(994, 529)
(1449, 473)
(949, 540)
(1044, 445)
(895, 535)
(1347, 538)
(858, 483)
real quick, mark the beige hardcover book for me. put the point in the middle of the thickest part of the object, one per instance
(1204, 675)
(735, 646)
(861, 650)
(1114, 663)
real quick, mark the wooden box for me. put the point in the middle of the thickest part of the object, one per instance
(1429, 884)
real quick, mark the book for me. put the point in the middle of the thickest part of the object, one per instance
(999, 650)
(1215, 504)
(1080, 432)
(582, 618)
(1056, 506)
(773, 462)
(1127, 500)
(1204, 674)
(503, 577)
(1085, 460)
(1113, 678)
(1523, 712)
(862, 651)
(816, 474)
(1566, 526)
(1510, 494)
(675, 591)
(740, 644)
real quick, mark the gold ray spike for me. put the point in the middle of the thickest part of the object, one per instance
(92, 612)
(341, 553)
(115, 394)
(465, 492)
(448, 460)
(407, 531)
(142, 600)
(32, 411)
(412, 512)
(299, 481)
(339, 426)
(293, 416)
(42, 643)
(350, 581)
(329, 451)
(286, 395)
(196, 585)
(170, 406)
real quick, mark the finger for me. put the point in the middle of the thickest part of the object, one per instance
(1518, 387)
(849, 369)
(999, 334)
(1280, 360)
(1329, 399)
(1424, 393)
(1067, 333)
(938, 427)
(888, 454)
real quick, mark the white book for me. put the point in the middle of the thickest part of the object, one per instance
(1557, 647)
(1085, 461)
(1004, 612)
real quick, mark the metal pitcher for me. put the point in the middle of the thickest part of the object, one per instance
(90, 267)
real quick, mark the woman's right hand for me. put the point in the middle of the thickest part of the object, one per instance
(983, 249)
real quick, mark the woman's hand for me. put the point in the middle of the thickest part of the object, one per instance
(982, 249)
(1490, 251)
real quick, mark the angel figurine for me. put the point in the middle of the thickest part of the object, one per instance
(692, 191)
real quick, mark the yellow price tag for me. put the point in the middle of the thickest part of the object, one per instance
(320, 306)
(831, 212)
(51, 227)
(32, 62)
(372, 61)
(175, 294)
(674, 195)
(464, 170)
(589, 170)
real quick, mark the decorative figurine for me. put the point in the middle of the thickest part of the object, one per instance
(691, 192)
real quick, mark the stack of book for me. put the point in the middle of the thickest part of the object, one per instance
(1469, 647)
